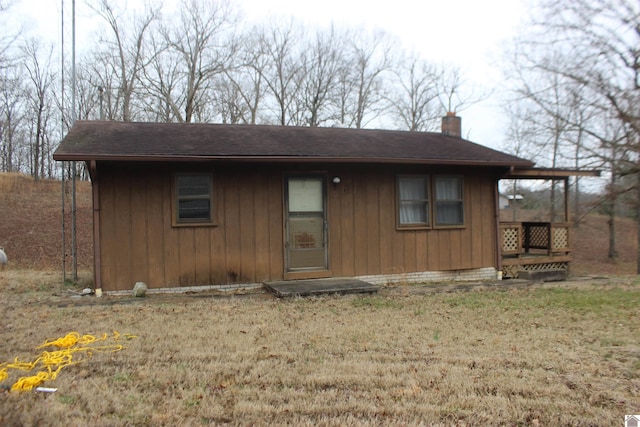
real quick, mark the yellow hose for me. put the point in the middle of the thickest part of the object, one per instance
(52, 362)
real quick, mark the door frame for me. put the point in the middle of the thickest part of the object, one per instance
(305, 273)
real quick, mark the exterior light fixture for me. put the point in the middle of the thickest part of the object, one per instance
(336, 180)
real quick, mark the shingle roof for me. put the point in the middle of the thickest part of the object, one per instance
(106, 140)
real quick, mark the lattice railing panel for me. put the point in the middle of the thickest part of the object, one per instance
(511, 271)
(560, 240)
(545, 266)
(539, 236)
(511, 239)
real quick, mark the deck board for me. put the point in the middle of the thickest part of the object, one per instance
(310, 287)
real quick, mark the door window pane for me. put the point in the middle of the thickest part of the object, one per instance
(305, 195)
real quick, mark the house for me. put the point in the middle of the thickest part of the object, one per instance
(509, 200)
(181, 205)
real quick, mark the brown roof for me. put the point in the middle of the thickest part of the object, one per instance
(103, 140)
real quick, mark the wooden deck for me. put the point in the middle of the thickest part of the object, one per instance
(535, 246)
(310, 287)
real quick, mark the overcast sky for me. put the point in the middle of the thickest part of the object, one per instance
(468, 34)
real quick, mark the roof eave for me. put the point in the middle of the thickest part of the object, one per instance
(289, 159)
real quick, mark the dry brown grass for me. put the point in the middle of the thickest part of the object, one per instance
(558, 354)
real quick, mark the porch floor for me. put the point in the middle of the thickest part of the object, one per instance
(310, 287)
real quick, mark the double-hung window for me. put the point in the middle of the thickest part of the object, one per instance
(193, 199)
(413, 195)
(449, 207)
(422, 197)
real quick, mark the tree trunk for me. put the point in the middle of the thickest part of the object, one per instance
(638, 222)
(612, 217)
(613, 254)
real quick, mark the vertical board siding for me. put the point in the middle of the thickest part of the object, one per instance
(246, 245)
(334, 216)
(218, 235)
(138, 227)
(360, 213)
(372, 231)
(275, 210)
(156, 223)
(247, 252)
(124, 260)
(171, 235)
(347, 227)
(232, 227)
(386, 222)
(261, 231)
(108, 238)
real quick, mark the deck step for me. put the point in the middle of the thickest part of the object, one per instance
(309, 287)
(549, 275)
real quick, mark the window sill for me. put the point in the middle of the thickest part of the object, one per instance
(194, 224)
(414, 227)
(449, 227)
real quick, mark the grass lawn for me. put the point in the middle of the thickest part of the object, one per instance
(556, 354)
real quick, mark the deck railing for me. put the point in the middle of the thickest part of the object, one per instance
(521, 238)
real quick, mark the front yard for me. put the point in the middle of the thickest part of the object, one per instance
(556, 354)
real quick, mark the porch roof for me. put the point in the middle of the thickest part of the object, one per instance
(136, 141)
(548, 173)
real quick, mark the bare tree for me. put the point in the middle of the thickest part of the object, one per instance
(245, 84)
(324, 63)
(372, 58)
(41, 79)
(7, 40)
(12, 116)
(196, 48)
(282, 71)
(597, 41)
(455, 93)
(123, 54)
(415, 102)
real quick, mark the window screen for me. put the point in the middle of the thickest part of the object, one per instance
(193, 194)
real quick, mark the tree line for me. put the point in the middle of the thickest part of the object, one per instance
(203, 63)
(574, 79)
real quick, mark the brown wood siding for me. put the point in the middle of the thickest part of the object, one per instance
(139, 242)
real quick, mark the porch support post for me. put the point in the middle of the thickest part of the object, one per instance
(496, 207)
(566, 199)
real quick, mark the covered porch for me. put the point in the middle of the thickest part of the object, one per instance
(536, 246)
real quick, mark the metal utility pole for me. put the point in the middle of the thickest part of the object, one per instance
(64, 234)
(73, 172)
(74, 245)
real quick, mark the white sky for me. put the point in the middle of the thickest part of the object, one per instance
(464, 33)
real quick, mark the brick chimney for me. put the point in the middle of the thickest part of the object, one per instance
(452, 125)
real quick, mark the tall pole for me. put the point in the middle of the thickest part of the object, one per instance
(64, 245)
(74, 245)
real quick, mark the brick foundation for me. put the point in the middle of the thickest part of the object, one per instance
(477, 274)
